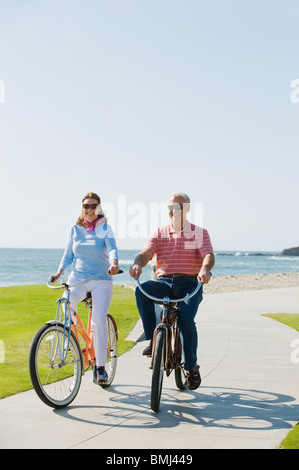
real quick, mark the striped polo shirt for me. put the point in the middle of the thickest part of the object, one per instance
(179, 252)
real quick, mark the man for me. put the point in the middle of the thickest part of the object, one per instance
(184, 257)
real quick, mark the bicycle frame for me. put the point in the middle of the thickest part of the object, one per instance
(73, 324)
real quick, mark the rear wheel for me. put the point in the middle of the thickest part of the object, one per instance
(159, 353)
(180, 376)
(111, 361)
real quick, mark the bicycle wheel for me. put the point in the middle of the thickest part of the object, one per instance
(180, 374)
(158, 368)
(111, 361)
(180, 377)
(55, 380)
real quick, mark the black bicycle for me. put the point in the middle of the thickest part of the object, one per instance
(167, 346)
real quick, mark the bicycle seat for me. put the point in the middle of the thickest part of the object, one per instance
(88, 297)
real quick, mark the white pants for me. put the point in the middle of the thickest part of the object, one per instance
(101, 292)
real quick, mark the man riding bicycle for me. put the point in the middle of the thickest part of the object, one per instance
(184, 257)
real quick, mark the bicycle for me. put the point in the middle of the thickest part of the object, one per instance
(167, 346)
(62, 351)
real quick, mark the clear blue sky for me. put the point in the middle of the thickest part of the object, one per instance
(137, 99)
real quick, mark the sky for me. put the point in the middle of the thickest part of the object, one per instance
(135, 99)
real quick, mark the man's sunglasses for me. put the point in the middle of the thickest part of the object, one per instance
(90, 206)
(177, 206)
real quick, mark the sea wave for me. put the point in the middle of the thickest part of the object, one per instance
(125, 262)
(244, 253)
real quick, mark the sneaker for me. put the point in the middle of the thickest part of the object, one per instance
(193, 378)
(102, 375)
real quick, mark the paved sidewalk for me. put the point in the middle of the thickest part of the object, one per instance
(249, 397)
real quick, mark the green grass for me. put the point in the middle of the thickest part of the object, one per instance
(292, 320)
(24, 309)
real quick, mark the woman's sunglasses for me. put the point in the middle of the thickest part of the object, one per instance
(90, 206)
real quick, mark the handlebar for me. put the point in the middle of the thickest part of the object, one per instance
(65, 285)
(166, 299)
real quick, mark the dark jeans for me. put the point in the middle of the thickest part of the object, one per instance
(173, 287)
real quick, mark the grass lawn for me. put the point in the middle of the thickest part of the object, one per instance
(24, 309)
(292, 320)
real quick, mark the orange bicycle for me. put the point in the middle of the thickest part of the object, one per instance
(62, 350)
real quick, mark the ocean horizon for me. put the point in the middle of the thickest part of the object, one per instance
(26, 266)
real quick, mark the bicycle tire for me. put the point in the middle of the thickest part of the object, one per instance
(159, 349)
(180, 374)
(111, 361)
(180, 377)
(55, 383)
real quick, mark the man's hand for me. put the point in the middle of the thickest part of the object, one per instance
(204, 276)
(205, 273)
(135, 271)
(140, 261)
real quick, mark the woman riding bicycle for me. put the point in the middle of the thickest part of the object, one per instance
(91, 248)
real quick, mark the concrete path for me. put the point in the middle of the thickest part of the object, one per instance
(249, 397)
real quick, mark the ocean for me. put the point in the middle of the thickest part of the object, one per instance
(20, 266)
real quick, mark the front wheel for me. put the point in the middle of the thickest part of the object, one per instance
(159, 356)
(55, 365)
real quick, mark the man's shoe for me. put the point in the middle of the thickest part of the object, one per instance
(148, 350)
(193, 378)
(101, 375)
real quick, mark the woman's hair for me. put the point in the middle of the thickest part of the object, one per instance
(92, 196)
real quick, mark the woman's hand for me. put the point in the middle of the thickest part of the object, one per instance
(114, 269)
(55, 277)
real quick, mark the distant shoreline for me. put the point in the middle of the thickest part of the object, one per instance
(244, 282)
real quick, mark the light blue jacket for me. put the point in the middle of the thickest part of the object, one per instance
(89, 252)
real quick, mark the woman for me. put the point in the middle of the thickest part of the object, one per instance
(90, 246)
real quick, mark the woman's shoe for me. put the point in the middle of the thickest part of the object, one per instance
(101, 375)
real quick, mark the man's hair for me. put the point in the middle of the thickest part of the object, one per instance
(183, 195)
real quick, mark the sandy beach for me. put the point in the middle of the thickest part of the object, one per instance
(246, 282)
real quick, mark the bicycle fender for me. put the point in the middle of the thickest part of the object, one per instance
(161, 326)
(54, 322)
(114, 323)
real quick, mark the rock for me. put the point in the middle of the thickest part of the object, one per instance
(291, 251)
